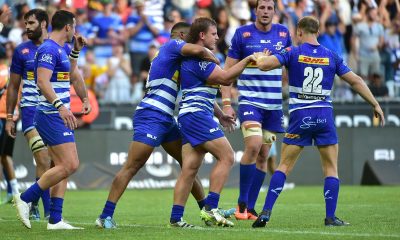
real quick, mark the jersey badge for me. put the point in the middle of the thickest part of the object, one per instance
(246, 34)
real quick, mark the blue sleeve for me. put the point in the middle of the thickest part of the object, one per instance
(341, 67)
(16, 63)
(47, 58)
(205, 69)
(284, 56)
(68, 47)
(175, 47)
(235, 50)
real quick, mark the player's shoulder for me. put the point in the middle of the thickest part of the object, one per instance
(25, 47)
(280, 27)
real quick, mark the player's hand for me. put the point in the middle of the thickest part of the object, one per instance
(228, 122)
(10, 128)
(68, 118)
(228, 110)
(86, 107)
(378, 113)
(79, 42)
(211, 57)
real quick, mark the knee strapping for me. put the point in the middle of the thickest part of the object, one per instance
(251, 129)
(36, 144)
(268, 137)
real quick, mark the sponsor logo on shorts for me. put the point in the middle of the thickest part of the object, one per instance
(67, 134)
(292, 135)
(248, 113)
(151, 136)
(307, 123)
(214, 129)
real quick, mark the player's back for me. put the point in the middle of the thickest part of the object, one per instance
(52, 56)
(197, 94)
(312, 70)
(162, 81)
(23, 65)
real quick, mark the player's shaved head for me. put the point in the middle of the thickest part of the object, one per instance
(309, 24)
(179, 27)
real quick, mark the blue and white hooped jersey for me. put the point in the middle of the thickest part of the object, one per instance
(262, 89)
(197, 95)
(23, 65)
(312, 70)
(162, 81)
(52, 56)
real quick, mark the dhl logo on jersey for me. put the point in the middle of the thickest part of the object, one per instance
(313, 60)
(30, 76)
(63, 76)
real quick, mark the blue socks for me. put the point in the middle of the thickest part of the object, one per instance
(246, 180)
(212, 200)
(201, 203)
(331, 192)
(56, 210)
(32, 194)
(275, 188)
(255, 188)
(108, 210)
(176, 213)
(46, 202)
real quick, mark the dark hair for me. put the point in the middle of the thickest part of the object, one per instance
(39, 14)
(309, 24)
(199, 25)
(62, 18)
(266, 1)
(178, 26)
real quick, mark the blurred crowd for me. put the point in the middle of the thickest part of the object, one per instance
(123, 36)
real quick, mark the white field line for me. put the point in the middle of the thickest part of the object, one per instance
(266, 230)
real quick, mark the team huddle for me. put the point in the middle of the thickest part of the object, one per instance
(260, 53)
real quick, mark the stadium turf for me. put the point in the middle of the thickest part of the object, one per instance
(374, 213)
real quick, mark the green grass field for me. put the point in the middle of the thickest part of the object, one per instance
(374, 213)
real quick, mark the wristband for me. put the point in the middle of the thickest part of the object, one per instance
(226, 102)
(9, 116)
(74, 54)
(57, 103)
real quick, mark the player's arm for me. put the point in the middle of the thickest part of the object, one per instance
(79, 43)
(45, 87)
(266, 63)
(358, 85)
(11, 102)
(226, 90)
(228, 122)
(80, 88)
(227, 77)
(194, 50)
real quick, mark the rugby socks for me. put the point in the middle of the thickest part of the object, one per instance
(258, 181)
(331, 192)
(201, 203)
(32, 194)
(108, 210)
(176, 213)
(35, 203)
(212, 201)
(56, 210)
(275, 188)
(46, 201)
(14, 186)
(246, 180)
